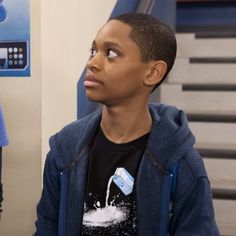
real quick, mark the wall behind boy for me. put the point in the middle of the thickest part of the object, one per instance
(21, 102)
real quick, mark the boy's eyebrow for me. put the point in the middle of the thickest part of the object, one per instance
(108, 44)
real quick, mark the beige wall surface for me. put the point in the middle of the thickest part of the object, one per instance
(37, 107)
(21, 101)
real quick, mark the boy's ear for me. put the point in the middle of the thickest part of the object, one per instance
(155, 73)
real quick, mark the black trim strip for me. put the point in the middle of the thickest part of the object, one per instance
(209, 87)
(210, 35)
(217, 153)
(203, 1)
(226, 235)
(204, 28)
(214, 60)
(224, 194)
(212, 118)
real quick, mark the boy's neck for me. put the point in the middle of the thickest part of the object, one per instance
(122, 125)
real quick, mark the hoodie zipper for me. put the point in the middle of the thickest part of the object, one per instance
(62, 210)
(63, 194)
(168, 189)
(165, 206)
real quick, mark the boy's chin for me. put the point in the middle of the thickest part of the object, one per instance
(107, 101)
(100, 101)
(93, 98)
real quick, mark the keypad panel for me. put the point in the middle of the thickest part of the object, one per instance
(16, 54)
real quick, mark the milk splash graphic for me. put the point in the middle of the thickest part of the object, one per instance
(107, 216)
(110, 214)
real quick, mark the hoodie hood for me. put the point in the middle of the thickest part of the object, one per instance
(170, 138)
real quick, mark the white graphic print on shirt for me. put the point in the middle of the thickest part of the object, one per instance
(111, 214)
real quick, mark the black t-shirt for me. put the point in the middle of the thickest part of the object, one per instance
(109, 207)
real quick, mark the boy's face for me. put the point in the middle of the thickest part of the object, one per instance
(115, 72)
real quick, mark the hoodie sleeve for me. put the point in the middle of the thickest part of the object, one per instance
(194, 213)
(48, 206)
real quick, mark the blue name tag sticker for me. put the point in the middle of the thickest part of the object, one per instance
(123, 180)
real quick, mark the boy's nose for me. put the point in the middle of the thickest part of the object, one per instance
(94, 63)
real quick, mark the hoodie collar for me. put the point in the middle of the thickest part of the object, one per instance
(170, 136)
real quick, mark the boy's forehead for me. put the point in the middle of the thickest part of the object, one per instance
(114, 30)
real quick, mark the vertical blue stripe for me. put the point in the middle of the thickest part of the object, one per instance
(165, 201)
(62, 214)
(174, 180)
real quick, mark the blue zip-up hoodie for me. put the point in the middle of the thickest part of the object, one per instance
(60, 210)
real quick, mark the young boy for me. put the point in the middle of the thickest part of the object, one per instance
(117, 171)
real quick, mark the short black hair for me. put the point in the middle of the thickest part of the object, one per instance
(155, 39)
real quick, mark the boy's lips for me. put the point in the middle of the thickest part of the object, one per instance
(90, 81)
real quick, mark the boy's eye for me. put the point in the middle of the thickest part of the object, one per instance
(111, 54)
(93, 52)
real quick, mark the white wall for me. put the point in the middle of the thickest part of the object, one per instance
(37, 107)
